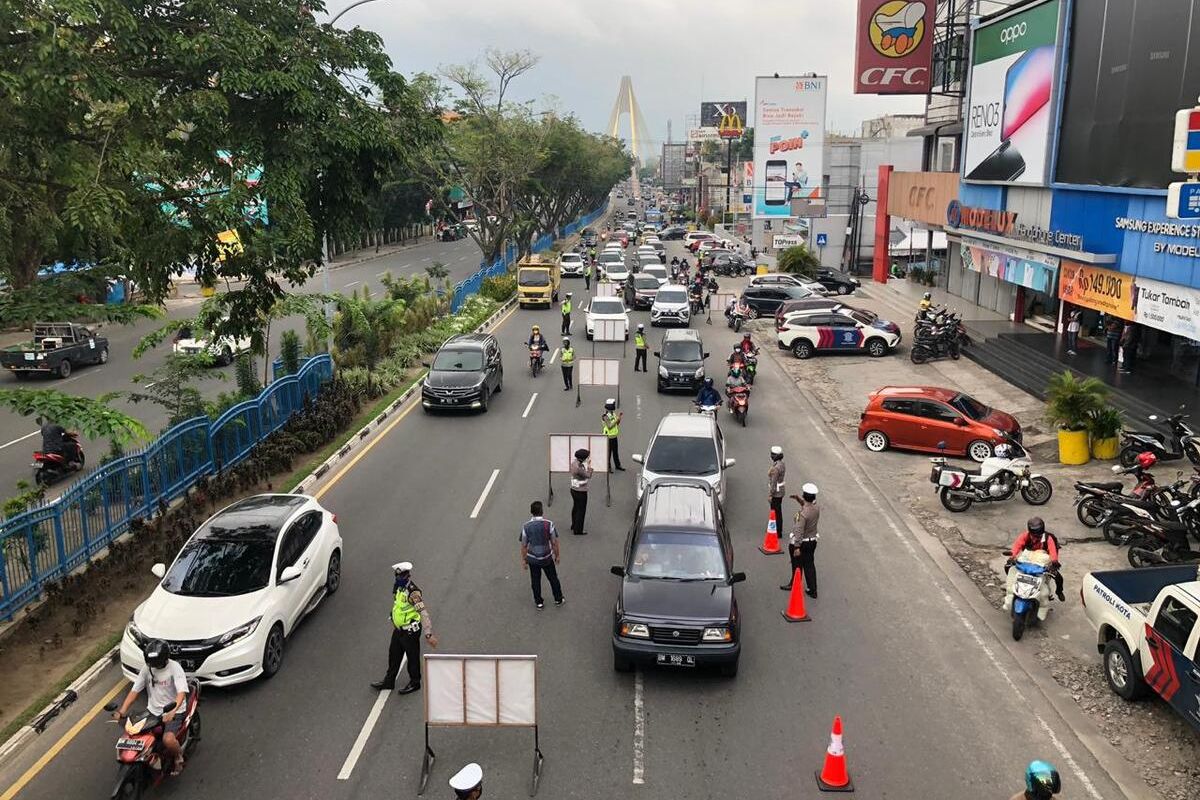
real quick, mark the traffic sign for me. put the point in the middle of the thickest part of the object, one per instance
(1183, 200)
(1185, 154)
(822, 239)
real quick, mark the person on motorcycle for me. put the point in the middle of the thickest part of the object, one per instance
(748, 346)
(735, 379)
(674, 262)
(1036, 537)
(537, 340)
(708, 395)
(54, 440)
(1042, 782)
(926, 301)
(737, 357)
(163, 680)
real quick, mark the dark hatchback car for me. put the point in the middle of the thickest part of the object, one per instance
(681, 361)
(464, 374)
(676, 606)
(837, 281)
(766, 300)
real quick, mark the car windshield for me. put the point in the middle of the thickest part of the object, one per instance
(458, 361)
(224, 564)
(672, 296)
(606, 306)
(682, 351)
(865, 317)
(682, 455)
(678, 556)
(645, 282)
(795, 292)
(970, 406)
(572, 257)
(534, 278)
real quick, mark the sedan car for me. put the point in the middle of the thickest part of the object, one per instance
(615, 271)
(605, 308)
(464, 374)
(639, 291)
(837, 281)
(806, 333)
(922, 417)
(238, 589)
(672, 232)
(765, 300)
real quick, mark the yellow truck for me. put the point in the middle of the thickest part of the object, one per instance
(537, 281)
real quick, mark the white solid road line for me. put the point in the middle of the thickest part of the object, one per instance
(367, 728)
(351, 283)
(553, 357)
(639, 729)
(23, 438)
(483, 496)
(530, 406)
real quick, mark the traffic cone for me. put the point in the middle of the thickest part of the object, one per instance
(770, 545)
(795, 610)
(834, 776)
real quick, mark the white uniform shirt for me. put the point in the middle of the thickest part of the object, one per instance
(161, 691)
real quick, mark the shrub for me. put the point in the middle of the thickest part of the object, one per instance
(247, 381)
(799, 261)
(499, 287)
(289, 352)
(1106, 423)
(1071, 403)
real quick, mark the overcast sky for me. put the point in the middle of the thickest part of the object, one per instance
(676, 52)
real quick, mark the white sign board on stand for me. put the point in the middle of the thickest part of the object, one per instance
(720, 300)
(599, 372)
(610, 330)
(606, 289)
(563, 447)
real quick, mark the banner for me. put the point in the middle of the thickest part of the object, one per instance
(724, 114)
(1022, 267)
(789, 143)
(1009, 116)
(1101, 290)
(703, 135)
(1168, 307)
(894, 47)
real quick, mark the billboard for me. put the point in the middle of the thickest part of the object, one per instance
(672, 165)
(893, 47)
(1128, 72)
(731, 111)
(1011, 107)
(703, 135)
(789, 143)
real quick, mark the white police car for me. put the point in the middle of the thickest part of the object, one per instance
(808, 331)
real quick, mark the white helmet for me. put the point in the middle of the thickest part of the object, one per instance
(1002, 451)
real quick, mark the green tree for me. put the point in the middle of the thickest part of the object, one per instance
(289, 352)
(91, 416)
(244, 376)
(170, 386)
(364, 330)
(798, 261)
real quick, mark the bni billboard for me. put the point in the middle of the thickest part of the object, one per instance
(789, 143)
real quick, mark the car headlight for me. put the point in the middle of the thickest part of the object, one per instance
(699, 373)
(241, 632)
(635, 630)
(135, 634)
(662, 372)
(721, 634)
(1000, 433)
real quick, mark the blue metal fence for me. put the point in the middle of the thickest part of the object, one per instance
(46, 543)
(466, 288)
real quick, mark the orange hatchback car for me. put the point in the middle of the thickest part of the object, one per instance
(919, 417)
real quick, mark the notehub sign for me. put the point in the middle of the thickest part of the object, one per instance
(985, 220)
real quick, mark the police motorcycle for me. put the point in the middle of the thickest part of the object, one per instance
(998, 478)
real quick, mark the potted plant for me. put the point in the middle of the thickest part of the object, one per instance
(1105, 429)
(1070, 405)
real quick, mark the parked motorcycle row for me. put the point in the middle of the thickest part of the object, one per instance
(938, 333)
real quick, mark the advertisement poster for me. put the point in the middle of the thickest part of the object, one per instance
(723, 114)
(1103, 290)
(1009, 265)
(893, 47)
(1168, 307)
(789, 141)
(1013, 75)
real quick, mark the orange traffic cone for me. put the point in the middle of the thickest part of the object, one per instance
(795, 610)
(770, 545)
(834, 776)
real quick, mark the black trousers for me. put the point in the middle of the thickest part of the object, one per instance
(639, 357)
(566, 326)
(1111, 343)
(535, 579)
(777, 507)
(578, 510)
(802, 556)
(614, 458)
(404, 643)
(587, 281)
(568, 376)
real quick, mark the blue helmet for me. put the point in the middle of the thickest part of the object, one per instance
(1042, 780)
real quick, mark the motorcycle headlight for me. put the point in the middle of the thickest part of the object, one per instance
(721, 634)
(634, 630)
(662, 372)
(240, 632)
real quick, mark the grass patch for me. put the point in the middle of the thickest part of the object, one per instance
(45, 699)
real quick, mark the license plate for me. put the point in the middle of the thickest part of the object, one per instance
(672, 660)
(1027, 580)
(131, 744)
(444, 400)
(29, 356)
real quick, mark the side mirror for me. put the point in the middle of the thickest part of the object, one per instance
(736, 577)
(618, 571)
(729, 462)
(656, 355)
(289, 574)
(111, 706)
(169, 707)
(706, 355)
(159, 570)
(1117, 468)
(960, 422)
(425, 364)
(637, 458)
(1007, 552)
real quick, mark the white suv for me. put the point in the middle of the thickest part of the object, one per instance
(671, 306)
(685, 446)
(571, 265)
(840, 329)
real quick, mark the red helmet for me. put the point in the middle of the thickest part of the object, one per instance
(1146, 460)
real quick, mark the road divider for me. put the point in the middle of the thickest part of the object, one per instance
(639, 729)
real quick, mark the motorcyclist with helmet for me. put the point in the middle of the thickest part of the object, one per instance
(1042, 782)
(164, 681)
(55, 440)
(708, 395)
(738, 356)
(1035, 537)
(747, 345)
(736, 379)
(536, 339)
(926, 302)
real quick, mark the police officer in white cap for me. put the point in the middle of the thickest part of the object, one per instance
(468, 783)
(409, 619)
(776, 484)
(802, 541)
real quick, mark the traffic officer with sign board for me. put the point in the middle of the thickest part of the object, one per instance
(639, 348)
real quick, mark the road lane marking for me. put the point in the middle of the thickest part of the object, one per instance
(58, 746)
(531, 399)
(554, 356)
(351, 283)
(367, 728)
(639, 729)
(21, 439)
(486, 489)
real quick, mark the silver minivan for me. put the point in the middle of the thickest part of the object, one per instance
(686, 445)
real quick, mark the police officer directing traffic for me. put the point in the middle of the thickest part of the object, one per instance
(639, 348)
(776, 484)
(568, 365)
(802, 541)
(566, 314)
(409, 618)
(610, 426)
(468, 783)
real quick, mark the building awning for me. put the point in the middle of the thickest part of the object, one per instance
(916, 240)
(948, 128)
(1082, 256)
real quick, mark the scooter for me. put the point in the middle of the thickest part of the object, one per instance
(1182, 444)
(709, 410)
(50, 467)
(535, 360)
(1095, 501)
(1028, 597)
(996, 479)
(739, 403)
(143, 759)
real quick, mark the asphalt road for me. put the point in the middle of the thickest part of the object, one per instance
(18, 438)
(933, 706)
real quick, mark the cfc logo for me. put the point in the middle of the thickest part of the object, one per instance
(897, 28)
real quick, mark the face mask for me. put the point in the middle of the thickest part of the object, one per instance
(401, 581)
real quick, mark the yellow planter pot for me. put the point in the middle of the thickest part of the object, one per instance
(1073, 447)
(208, 291)
(1106, 449)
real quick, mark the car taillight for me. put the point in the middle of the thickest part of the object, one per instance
(334, 516)
(781, 328)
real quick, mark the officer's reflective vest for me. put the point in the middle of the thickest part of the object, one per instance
(404, 613)
(566, 307)
(568, 356)
(639, 341)
(610, 427)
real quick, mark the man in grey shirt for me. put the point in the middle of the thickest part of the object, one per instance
(802, 541)
(775, 485)
(581, 474)
(539, 553)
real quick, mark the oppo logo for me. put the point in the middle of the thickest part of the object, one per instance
(1012, 33)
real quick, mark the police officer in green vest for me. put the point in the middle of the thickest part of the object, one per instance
(610, 426)
(587, 272)
(568, 365)
(409, 618)
(566, 314)
(639, 348)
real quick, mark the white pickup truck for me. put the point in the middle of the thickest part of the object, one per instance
(1147, 631)
(223, 350)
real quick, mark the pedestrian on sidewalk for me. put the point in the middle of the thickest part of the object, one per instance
(802, 540)
(581, 475)
(1112, 338)
(1129, 345)
(1073, 330)
(539, 553)
(566, 314)
(567, 361)
(775, 484)
(409, 618)
(610, 426)
(639, 348)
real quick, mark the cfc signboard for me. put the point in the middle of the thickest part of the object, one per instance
(1013, 77)
(893, 47)
(789, 140)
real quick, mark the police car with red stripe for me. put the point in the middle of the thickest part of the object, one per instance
(841, 329)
